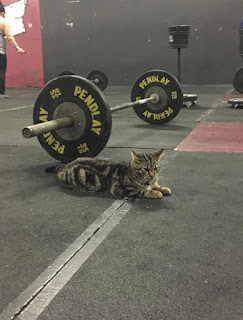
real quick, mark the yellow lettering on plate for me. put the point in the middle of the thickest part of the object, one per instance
(49, 139)
(174, 95)
(165, 81)
(77, 90)
(82, 148)
(89, 100)
(56, 145)
(162, 115)
(55, 93)
(153, 79)
(43, 111)
(43, 118)
(43, 115)
(158, 116)
(83, 94)
(93, 107)
(149, 80)
(170, 110)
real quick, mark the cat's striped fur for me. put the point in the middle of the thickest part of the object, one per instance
(139, 178)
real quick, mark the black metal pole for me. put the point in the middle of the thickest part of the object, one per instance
(179, 64)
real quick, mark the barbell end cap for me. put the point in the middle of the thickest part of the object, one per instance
(26, 132)
(155, 97)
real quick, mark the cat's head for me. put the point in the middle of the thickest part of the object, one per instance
(146, 165)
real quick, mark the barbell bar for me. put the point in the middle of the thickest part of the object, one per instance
(72, 117)
(154, 98)
(43, 127)
(61, 123)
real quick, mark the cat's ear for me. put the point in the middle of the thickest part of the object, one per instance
(135, 154)
(158, 153)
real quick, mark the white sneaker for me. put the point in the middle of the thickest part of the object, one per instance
(4, 96)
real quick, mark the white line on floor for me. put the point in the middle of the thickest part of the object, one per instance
(32, 302)
(18, 108)
(213, 108)
(26, 95)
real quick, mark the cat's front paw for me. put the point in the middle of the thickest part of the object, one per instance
(155, 194)
(165, 191)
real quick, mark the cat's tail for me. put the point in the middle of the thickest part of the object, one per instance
(52, 169)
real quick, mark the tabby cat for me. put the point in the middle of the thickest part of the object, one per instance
(139, 178)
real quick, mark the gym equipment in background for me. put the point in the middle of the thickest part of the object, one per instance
(179, 39)
(96, 76)
(238, 75)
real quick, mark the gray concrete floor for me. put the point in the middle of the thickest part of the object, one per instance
(176, 258)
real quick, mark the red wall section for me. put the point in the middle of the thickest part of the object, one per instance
(25, 69)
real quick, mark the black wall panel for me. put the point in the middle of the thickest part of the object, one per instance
(124, 38)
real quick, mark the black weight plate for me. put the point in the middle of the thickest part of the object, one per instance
(80, 92)
(99, 78)
(169, 90)
(66, 73)
(238, 80)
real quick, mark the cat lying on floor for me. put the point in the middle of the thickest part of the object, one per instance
(139, 178)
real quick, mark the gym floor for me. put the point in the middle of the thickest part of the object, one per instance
(86, 256)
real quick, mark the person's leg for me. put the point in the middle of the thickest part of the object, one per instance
(3, 68)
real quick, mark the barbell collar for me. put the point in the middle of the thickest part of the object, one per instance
(95, 81)
(44, 127)
(153, 98)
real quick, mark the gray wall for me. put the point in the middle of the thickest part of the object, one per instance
(124, 38)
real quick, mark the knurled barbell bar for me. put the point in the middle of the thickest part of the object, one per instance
(72, 117)
(96, 76)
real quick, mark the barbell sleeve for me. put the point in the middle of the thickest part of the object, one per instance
(154, 98)
(43, 127)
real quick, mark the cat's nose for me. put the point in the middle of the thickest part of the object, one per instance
(151, 174)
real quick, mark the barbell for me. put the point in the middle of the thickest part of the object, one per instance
(72, 117)
(96, 76)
